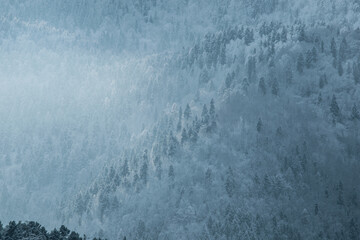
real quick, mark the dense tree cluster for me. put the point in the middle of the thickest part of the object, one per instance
(33, 230)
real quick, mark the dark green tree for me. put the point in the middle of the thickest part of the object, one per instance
(355, 113)
(187, 112)
(300, 63)
(262, 86)
(335, 110)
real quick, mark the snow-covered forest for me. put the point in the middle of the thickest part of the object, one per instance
(178, 119)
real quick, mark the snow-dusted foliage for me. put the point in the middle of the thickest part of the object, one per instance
(154, 119)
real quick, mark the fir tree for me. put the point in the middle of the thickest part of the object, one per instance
(275, 87)
(144, 173)
(125, 169)
(259, 125)
(179, 126)
(316, 209)
(334, 109)
(300, 63)
(284, 35)
(212, 109)
(172, 144)
(319, 98)
(302, 36)
(230, 182)
(249, 36)
(322, 81)
(343, 50)
(262, 86)
(309, 59)
(340, 69)
(333, 48)
(314, 54)
(171, 173)
(205, 115)
(184, 136)
(187, 112)
(355, 113)
(356, 73)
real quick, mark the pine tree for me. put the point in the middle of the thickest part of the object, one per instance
(284, 35)
(212, 117)
(179, 125)
(262, 86)
(205, 115)
(249, 36)
(144, 173)
(356, 73)
(300, 63)
(334, 109)
(125, 169)
(212, 109)
(302, 36)
(223, 54)
(333, 48)
(340, 199)
(184, 136)
(259, 125)
(340, 68)
(314, 54)
(275, 87)
(309, 60)
(355, 113)
(172, 144)
(354, 230)
(289, 75)
(171, 173)
(230, 182)
(343, 50)
(319, 98)
(187, 112)
(251, 69)
(208, 177)
(158, 167)
(322, 81)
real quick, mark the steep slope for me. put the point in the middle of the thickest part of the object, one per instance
(238, 119)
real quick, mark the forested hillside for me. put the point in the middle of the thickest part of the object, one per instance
(157, 119)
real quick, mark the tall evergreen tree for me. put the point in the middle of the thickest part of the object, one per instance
(125, 169)
(144, 173)
(249, 36)
(205, 115)
(259, 125)
(356, 72)
(275, 87)
(314, 54)
(334, 109)
(333, 48)
(187, 112)
(262, 86)
(300, 63)
(179, 124)
(284, 35)
(355, 113)
(230, 182)
(309, 59)
(340, 68)
(343, 50)
(184, 136)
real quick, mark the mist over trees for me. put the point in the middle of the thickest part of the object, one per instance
(155, 119)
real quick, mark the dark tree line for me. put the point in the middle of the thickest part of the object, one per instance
(33, 230)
